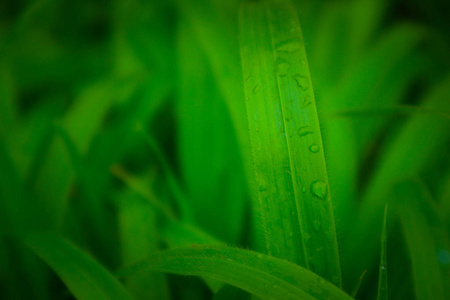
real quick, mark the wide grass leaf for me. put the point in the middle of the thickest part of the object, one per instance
(210, 160)
(290, 171)
(261, 275)
(84, 277)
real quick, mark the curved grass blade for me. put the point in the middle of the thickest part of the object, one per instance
(176, 233)
(141, 188)
(139, 237)
(378, 111)
(422, 229)
(383, 275)
(289, 164)
(84, 277)
(261, 275)
(231, 292)
(358, 286)
(403, 157)
(178, 193)
(82, 121)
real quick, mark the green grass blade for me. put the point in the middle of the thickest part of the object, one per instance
(422, 229)
(175, 233)
(358, 285)
(261, 275)
(220, 45)
(287, 146)
(210, 161)
(178, 193)
(139, 238)
(81, 122)
(231, 292)
(383, 275)
(403, 157)
(7, 102)
(142, 189)
(84, 277)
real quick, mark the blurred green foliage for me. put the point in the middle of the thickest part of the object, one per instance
(123, 129)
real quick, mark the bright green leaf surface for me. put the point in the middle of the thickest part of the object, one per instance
(287, 147)
(261, 275)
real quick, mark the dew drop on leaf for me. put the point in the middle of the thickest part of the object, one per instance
(317, 225)
(314, 148)
(319, 189)
(301, 81)
(305, 130)
(329, 235)
(283, 66)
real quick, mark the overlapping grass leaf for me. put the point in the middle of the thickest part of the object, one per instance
(261, 275)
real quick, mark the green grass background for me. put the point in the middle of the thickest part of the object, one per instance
(124, 136)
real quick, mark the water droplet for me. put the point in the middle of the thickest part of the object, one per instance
(256, 89)
(283, 66)
(248, 77)
(314, 148)
(262, 187)
(289, 45)
(305, 130)
(301, 81)
(329, 235)
(317, 225)
(319, 189)
(306, 101)
(304, 189)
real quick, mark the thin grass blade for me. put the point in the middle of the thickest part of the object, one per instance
(383, 275)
